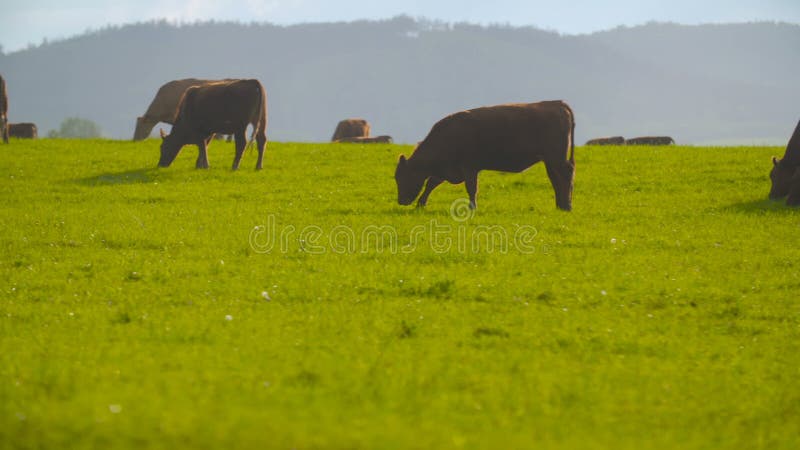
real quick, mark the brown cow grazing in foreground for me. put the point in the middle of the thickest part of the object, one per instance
(650, 140)
(350, 128)
(613, 140)
(368, 140)
(24, 130)
(507, 138)
(3, 110)
(165, 105)
(785, 174)
(226, 108)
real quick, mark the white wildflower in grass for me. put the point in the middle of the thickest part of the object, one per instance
(603, 293)
(115, 409)
(265, 294)
(613, 240)
(228, 317)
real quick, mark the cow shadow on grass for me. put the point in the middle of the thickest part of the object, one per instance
(761, 207)
(135, 176)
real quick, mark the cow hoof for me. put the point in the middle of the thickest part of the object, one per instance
(473, 206)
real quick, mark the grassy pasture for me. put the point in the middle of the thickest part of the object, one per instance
(301, 307)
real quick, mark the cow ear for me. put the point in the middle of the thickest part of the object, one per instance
(161, 132)
(402, 160)
(774, 161)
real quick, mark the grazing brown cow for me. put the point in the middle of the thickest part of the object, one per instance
(650, 140)
(507, 138)
(368, 140)
(785, 174)
(226, 108)
(613, 140)
(3, 110)
(350, 128)
(165, 105)
(24, 130)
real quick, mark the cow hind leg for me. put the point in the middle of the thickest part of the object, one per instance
(261, 144)
(240, 138)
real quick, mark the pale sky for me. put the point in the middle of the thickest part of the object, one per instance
(24, 22)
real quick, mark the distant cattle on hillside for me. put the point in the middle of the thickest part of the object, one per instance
(650, 140)
(165, 105)
(25, 130)
(368, 140)
(785, 173)
(3, 110)
(506, 138)
(613, 140)
(351, 128)
(225, 107)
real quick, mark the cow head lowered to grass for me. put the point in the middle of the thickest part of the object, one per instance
(506, 138)
(225, 107)
(785, 173)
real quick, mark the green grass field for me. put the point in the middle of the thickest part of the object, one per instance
(301, 307)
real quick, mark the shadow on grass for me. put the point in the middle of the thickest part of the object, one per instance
(763, 206)
(136, 176)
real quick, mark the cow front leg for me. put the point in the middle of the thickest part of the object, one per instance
(471, 181)
(241, 142)
(202, 156)
(429, 186)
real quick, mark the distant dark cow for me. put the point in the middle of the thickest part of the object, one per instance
(25, 130)
(368, 140)
(614, 140)
(650, 140)
(165, 105)
(226, 108)
(350, 128)
(785, 174)
(506, 138)
(3, 110)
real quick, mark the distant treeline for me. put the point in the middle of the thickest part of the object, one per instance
(699, 84)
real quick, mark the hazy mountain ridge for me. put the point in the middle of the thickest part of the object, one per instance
(719, 83)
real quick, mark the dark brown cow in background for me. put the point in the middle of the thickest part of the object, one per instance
(227, 108)
(3, 110)
(613, 140)
(165, 105)
(650, 140)
(350, 128)
(785, 174)
(506, 138)
(368, 140)
(25, 130)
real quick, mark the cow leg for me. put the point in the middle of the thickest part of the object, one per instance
(429, 186)
(4, 129)
(561, 174)
(471, 181)
(202, 156)
(261, 143)
(241, 141)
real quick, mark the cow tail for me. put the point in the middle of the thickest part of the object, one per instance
(571, 134)
(257, 124)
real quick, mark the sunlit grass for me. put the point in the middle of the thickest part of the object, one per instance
(139, 307)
